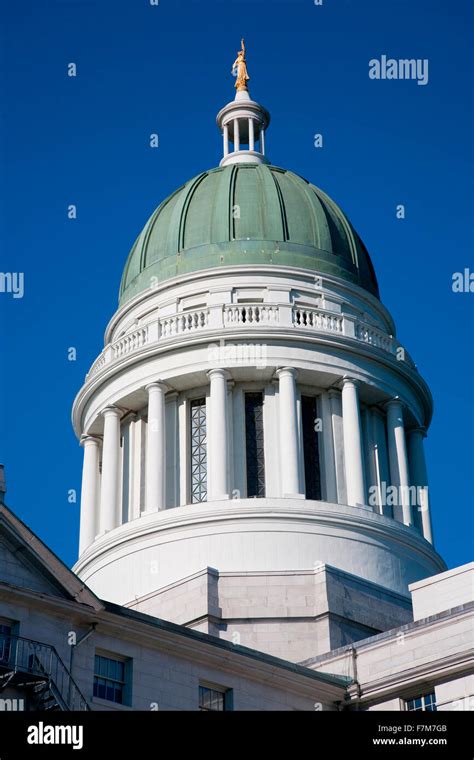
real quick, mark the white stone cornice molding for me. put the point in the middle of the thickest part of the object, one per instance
(183, 536)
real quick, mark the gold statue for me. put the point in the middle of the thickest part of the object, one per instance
(239, 69)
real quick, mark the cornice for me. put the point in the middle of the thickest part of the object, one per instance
(274, 334)
(171, 522)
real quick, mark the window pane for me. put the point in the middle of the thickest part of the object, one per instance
(211, 699)
(425, 702)
(198, 450)
(254, 444)
(109, 679)
(310, 448)
(5, 642)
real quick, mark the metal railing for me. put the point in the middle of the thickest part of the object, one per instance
(36, 659)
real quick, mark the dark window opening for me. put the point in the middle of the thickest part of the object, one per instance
(5, 642)
(312, 471)
(254, 445)
(214, 700)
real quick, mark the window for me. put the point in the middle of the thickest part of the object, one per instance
(425, 703)
(5, 641)
(214, 700)
(310, 448)
(110, 679)
(254, 444)
(198, 450)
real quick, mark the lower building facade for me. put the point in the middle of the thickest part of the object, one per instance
(63, 648)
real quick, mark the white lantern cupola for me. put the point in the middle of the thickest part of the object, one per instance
(243, 122)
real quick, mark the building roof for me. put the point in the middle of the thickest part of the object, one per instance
(48, 578)
(246, 214)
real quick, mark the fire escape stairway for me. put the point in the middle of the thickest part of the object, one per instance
(37, 669)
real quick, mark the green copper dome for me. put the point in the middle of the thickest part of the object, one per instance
(246, 214)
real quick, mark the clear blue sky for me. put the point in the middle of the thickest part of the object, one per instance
(165, 69)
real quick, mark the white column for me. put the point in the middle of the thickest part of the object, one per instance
(329, 482)
(230, 440)
(353, 453)
(110, 469)
(290, 485)
(251, 135)
(419, 478)
(137, 444)
(218, 485)
(156, 448)
(236, 135)
(184, 496)
(381, 461)
(238, 403)
(335, 405)
(172, 449)
(398, 460)
(226, 139)
(89, 492)
(369, 457)
(262, 141)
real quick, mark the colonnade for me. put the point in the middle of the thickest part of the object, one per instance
(256, 131)
(355, 449)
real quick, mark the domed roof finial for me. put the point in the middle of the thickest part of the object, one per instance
(243, 122)
(239, 69)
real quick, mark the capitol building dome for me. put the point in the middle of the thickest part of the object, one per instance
(253, 429)
(242, 214)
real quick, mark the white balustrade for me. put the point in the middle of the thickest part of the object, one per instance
(251, 314)
(317, 319)
(129, 343)
(98, 364)
(368, 334)
(184, 322)
(248, 315)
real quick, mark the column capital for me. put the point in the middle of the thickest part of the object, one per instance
(218, 372)
(87, 439)
(157, 384)
(349, 380)
(334, 392)
(420, 430)
(395, 401)
(111, 411)
(285, 371)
